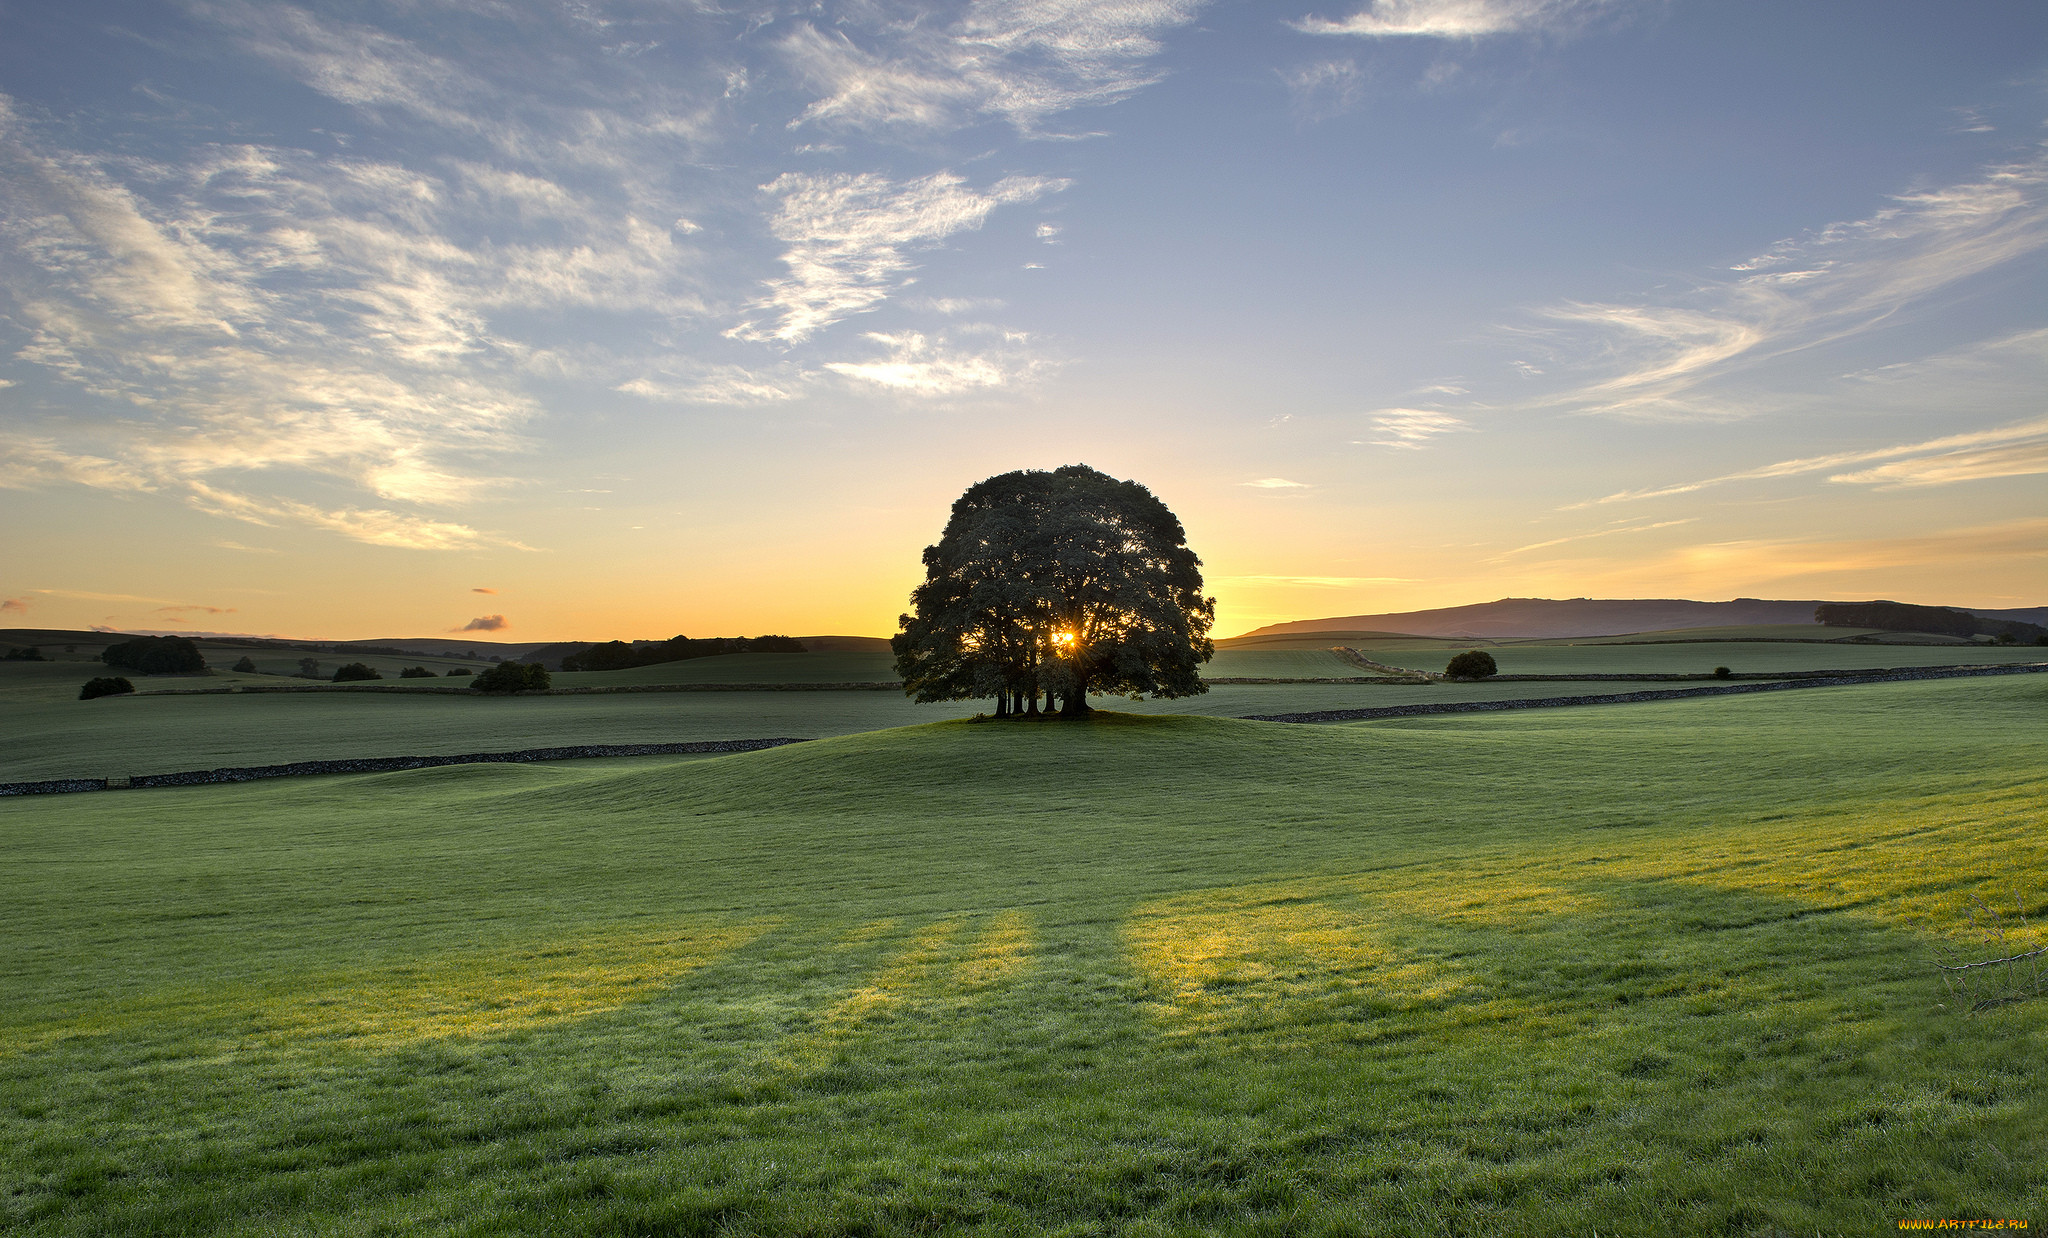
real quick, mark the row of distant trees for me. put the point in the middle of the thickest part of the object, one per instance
(620, 655)
(1904, 617)
(1054, 585)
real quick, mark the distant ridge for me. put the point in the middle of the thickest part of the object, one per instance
(1553, 618)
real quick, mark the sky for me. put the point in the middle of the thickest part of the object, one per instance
(593, 319)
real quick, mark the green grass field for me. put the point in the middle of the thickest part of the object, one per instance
(1697, 659)
(1642, 969)
(881, 667)
(49, 734)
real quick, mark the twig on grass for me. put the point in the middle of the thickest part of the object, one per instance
(2013, 973)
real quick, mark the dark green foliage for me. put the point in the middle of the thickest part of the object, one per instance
(1064, 583)
(618, 655)
(1939, 620)
(1722, 672)
(1471, 664)
(30, 654)
(512, 677)
(309, 668)
(156, 655)
(355, 671)
(460, 672)
(245, 666)
(416, 672)
(109, 685)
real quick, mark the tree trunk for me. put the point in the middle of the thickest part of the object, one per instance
(1077, 703)
(1002, 704)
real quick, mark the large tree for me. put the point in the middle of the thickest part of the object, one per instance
(1056, 584)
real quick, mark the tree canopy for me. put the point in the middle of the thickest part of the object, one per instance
(155, 655)
(513, 677)
(1058, 583)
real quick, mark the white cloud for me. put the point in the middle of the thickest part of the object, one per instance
(1018, 61)
(2016, 460)
(918, 366)
(849, 239)
(717, 384)
(1275, 483)
(2011, 444)
(1580, 537)
(1324, 89)
(1835, 283)
(374, 526)
(1412, 428)
(1451, 19)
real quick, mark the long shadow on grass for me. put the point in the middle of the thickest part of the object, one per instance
(1478, 1052)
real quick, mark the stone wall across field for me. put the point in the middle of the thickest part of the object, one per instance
(377, 765)
(1658, 694)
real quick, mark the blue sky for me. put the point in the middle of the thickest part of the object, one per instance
(622, 319)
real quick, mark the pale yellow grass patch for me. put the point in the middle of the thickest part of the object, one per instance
(1003, 952)
(886, 990)
(1238, 958)
(1483, 900)
(492, 993)
(938, 970)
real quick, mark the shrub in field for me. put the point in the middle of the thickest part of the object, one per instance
(512, 677)
(1471, 664)
(1722, 672)
(110, 685)
(460, 671)
(30, 654)
(416, 672)
(245, 666)
(309, 668)
(156, 655)
(355, 671)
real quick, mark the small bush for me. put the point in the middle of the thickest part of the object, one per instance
(355, 671)
(1472, 664)
(110, 685)
(1722, 672)
(512, 677)
(156, 655)
(30, 654)
(245, 666)
(309, 668)
(416, 672)
(460, 671)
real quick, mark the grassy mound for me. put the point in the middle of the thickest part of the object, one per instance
(1660, 969)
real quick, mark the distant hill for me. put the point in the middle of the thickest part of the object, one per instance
(1551, 618)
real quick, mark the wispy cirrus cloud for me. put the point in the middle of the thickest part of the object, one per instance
(1275, 483)
(2015, 460)
(1412, 428)
(2000, 451)
(1662, 358)
(851, 236)
(1452, 19)
(1016, 61)
(1324, 89)
(718, 384)
(1587, 536)
(1318, 582)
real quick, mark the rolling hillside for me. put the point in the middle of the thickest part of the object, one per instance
(1511, 618)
